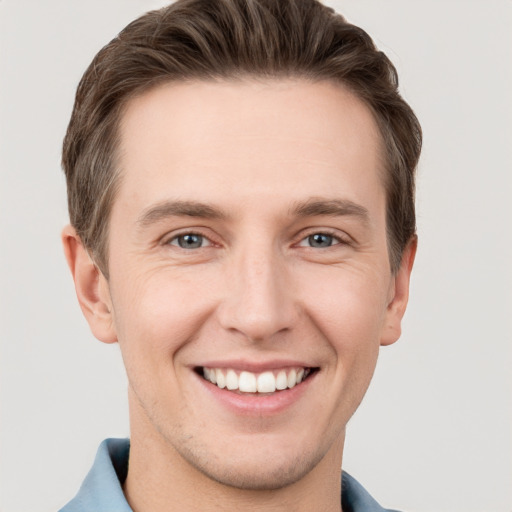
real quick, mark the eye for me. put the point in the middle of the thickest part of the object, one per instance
(319, 241)
(190, 241)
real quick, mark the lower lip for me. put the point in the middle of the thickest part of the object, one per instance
(258, 404)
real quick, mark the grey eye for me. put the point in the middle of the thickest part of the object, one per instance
(320, 240)
(189, 241)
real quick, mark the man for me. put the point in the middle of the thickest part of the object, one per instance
(241, 192)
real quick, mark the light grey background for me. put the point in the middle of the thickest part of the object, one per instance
(434, 433)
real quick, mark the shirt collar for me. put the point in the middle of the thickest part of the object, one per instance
(102, 487)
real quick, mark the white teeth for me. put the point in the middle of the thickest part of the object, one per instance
(231, 380)
(266, 382)
(281, 380)
(292, 378)
(221, 380)
(248, 382)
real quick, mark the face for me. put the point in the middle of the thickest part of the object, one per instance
(250, 286)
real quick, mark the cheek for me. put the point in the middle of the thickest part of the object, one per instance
(350, 308)
(350, 314)
(155, 315)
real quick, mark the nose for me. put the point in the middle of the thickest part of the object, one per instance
(259, 300)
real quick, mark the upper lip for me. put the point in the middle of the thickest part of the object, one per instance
(254, 366)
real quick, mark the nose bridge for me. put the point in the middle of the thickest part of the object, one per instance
(259, 301)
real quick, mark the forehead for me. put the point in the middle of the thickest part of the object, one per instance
(284, 134)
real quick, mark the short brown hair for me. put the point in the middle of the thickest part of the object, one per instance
(228, 39)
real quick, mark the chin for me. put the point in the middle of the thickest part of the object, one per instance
(254, 472)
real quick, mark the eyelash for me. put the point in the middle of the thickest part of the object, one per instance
(337, 239)
(179, 236)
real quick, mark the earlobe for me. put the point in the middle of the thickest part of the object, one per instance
(91, 287)
(396, 308)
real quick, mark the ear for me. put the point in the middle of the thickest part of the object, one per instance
(399, 296)
(91, 287)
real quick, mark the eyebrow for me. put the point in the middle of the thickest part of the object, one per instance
(168, 209)
(308, 208)
(330, 207)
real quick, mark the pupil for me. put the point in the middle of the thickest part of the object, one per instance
(190, 241)
(320, 240)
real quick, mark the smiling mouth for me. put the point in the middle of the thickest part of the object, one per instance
(249, 382)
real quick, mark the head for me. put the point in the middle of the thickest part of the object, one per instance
(240, 179)
(222, 40)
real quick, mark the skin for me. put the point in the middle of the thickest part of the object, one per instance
(256, 292)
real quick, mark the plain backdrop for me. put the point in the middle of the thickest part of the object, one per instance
(434, 432)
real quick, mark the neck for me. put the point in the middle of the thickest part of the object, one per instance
(160, 479)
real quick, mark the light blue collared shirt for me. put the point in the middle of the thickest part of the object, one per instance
(101, 490)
